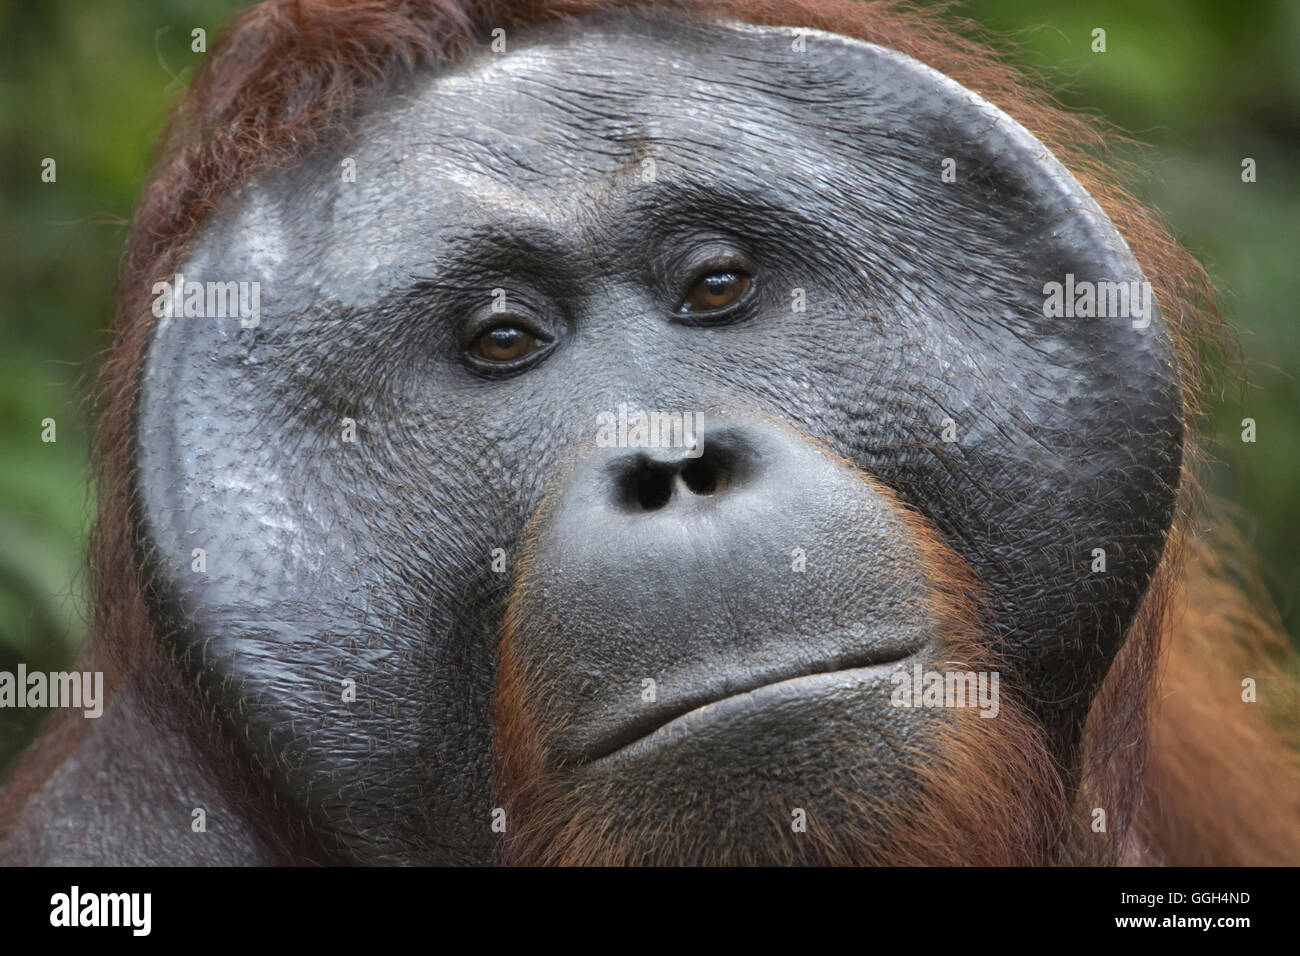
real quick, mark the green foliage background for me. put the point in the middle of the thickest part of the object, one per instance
(1205, 83)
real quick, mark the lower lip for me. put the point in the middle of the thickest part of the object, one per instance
(792, 690)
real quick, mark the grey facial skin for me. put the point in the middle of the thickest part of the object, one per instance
(591, 173)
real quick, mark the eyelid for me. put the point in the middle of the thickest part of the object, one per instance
(696, 267)
(689, 256)
(716, 253)
(488, 320)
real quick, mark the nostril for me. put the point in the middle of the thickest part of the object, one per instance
(653, 487)
(700, 476)
(640, 483)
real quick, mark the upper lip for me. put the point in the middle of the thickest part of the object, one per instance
(646, 724)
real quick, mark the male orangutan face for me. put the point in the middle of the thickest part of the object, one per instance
(428, 467)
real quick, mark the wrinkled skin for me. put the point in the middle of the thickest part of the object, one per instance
(371, 561)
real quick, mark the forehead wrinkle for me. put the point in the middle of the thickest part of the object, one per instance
(504, 139)
(554, 133)
(492, 196)
(596, 111)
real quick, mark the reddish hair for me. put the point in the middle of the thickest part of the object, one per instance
(289, 75)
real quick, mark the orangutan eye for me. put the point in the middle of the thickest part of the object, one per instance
(716, 290)
(503, 343)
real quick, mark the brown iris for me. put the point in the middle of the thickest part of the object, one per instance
(716, 290)
(504, 343)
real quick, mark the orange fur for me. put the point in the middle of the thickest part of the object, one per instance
(1223, 782)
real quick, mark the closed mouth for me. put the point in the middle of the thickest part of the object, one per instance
(692, 715)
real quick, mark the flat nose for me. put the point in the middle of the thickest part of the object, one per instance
(666, 479)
